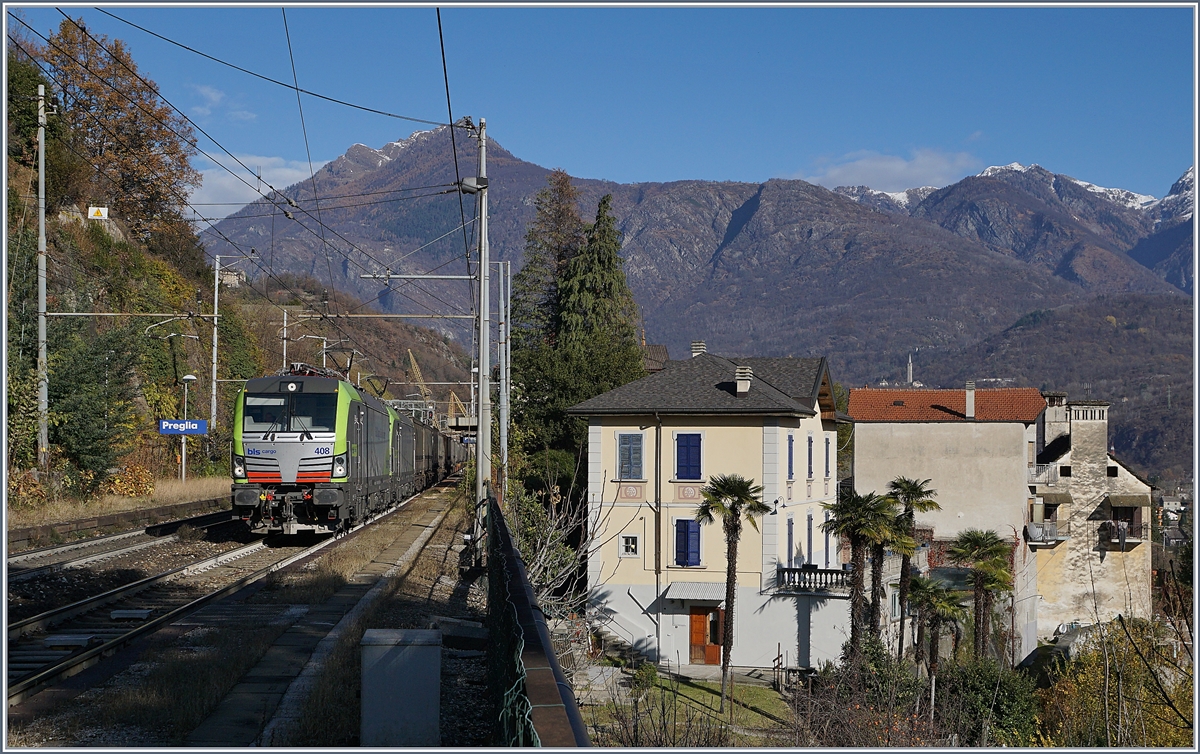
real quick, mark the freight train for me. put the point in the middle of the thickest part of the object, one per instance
(311, 452)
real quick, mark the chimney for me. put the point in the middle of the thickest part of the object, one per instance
(971, 399)
(698, 347)
(743, 376)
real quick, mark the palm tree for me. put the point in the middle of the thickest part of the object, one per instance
(858, 518)
(886, 533)
(913, 496)
(921, 594)
(943, 608)
(981, 551)
(730, 496)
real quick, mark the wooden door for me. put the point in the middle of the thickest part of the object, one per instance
(699, 635)
(716, 628)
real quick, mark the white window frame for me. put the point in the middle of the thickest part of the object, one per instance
(637, 545)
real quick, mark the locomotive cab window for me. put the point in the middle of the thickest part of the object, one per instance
(298, 412)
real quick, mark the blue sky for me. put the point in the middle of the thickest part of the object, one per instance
(888, 97)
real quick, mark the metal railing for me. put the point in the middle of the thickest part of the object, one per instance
(1047, 532)
(1043, 474)
(1121, 532)
(536, 704)
(806, 579)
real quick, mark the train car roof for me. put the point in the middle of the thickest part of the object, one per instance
(281, 385)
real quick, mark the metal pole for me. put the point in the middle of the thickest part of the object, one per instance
(183, 438)
(324, 349)
(285, 338)
(505, 364)
(43, 376)
(483, 433)
(216, 293)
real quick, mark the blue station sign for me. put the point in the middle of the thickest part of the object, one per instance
(183, 426)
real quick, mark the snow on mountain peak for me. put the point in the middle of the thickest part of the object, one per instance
(1117, 196)
(1015, 167)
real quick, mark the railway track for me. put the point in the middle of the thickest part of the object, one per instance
(34, 563)
(62, 642)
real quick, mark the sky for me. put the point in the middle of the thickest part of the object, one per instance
(888, 97)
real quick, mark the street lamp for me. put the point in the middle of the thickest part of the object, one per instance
(187, 378)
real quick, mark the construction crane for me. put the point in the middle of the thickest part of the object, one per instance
(456, 405)
(426, 393)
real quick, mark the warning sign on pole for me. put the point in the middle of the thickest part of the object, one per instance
(97, 213)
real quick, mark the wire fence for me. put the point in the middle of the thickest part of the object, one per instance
(536, 705)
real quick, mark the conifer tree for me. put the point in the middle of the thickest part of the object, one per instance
(554, 237)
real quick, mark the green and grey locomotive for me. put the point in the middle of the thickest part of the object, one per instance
(311, 452)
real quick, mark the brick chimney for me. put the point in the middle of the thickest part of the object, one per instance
(970, 399)
(743, 375)
(698, 347)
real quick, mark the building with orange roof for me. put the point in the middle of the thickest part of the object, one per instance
(1031, 467)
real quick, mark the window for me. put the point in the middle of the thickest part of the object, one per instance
(687, 542)
(1112, 471)
(629, 546)
(1064, 471)
(791, 448)
(687, 456)
(810, 458)
(629, 450)
(827, 456)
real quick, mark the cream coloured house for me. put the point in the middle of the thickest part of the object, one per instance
(1034, 469)
(657, 578)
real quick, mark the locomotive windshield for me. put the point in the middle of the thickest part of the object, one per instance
(314, 412)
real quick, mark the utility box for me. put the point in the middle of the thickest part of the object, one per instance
(401, 687)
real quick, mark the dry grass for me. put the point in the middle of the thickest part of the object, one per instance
(166, 492)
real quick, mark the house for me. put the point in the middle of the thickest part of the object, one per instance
(656, 577)
(975, 446)
(1094, 515)
(1035, 470)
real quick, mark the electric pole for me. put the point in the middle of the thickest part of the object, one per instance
(483, 434)
(43, 375)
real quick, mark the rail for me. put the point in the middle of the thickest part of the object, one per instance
(805, 579)
(1124, 533)
(536, 704)
(1047, 532)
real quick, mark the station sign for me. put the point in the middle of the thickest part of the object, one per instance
(183, 426)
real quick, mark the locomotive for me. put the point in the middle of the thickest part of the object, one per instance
(313, 453)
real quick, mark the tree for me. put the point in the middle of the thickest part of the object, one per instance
(886, 533)
(594, 297)
(552, 240)
(943, 608)
(140, 147)
(731, 497)
(912, 496)
(921, 592)
(858, 518)
(985, 553)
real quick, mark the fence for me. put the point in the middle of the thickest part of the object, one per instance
(536, 704)
(807, 579)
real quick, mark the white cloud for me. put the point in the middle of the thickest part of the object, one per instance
(223, 193)
(211, 96)
(884, 172)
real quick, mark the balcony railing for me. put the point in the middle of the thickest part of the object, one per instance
(806, 579)
(1117, 532)
(1043, 474)
(1047, 532)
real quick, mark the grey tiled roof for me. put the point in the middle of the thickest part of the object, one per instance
(704, 384)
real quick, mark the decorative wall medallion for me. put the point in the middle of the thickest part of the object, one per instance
(688, 492)
(630, 492)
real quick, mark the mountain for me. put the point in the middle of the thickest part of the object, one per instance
(783, 267)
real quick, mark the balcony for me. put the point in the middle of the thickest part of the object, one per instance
(1123, 534)
(1046, 474)
(812, 579)
(1047, 533)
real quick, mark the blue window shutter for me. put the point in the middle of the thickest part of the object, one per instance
(681, 542)
(624, 463)
(635, 457)
(791, 448)
(687, 456)
(693, 544)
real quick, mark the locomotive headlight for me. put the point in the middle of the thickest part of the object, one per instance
(339, 466)
(239, 467)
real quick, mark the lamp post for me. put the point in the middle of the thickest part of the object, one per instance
(187, 378)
